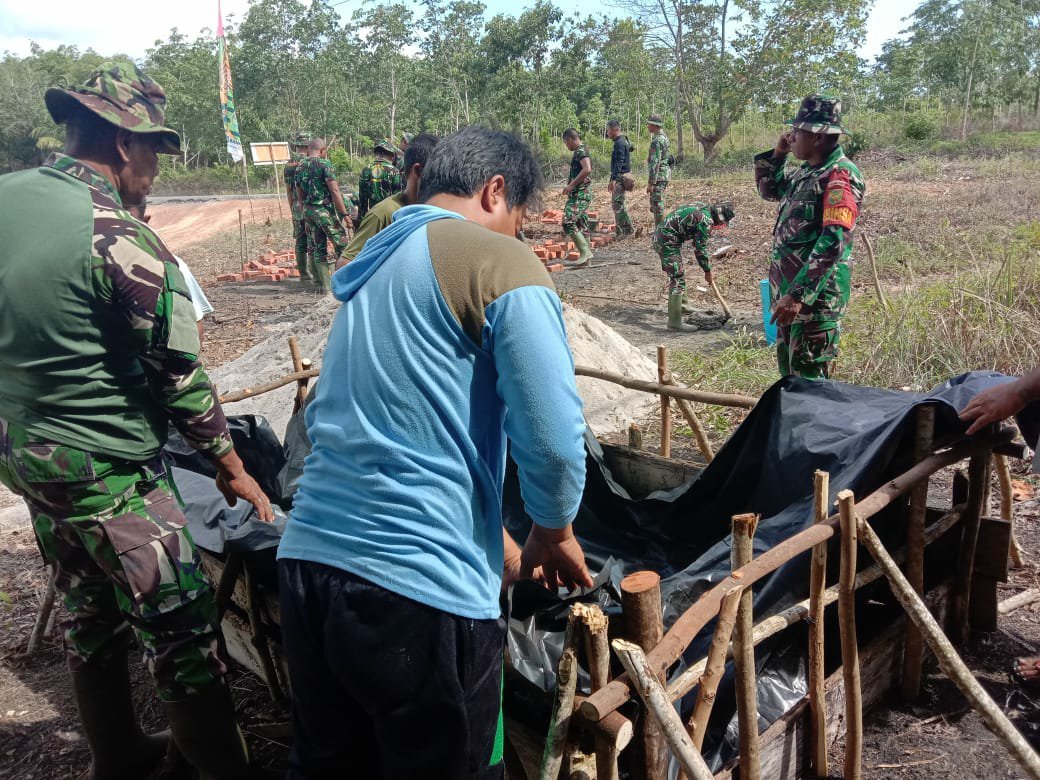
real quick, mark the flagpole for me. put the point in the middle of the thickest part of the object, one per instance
(229, 115)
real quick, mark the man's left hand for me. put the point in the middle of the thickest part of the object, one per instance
(786, 310)
(993, 405)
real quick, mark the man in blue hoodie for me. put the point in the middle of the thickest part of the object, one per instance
(450, 341)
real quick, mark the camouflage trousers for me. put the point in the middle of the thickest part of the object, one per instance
(617, 204)
(302, 245)
(576, 211)
(323, 225)
(672, 265)
(657, 199)
(125, 564)
(807, 348)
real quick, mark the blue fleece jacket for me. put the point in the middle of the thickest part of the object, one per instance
(411, 415)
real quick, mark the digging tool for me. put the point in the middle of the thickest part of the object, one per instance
(722, 251)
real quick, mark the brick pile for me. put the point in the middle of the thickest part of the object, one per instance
(548, 250)
(269, 267)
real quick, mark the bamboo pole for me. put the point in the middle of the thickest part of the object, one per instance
(945, 653)
(597, 658)
(644, 625)
(274, 384)
(699, 434)
(741, 554)
(714, 669)
(241, 240)
(299, 365)
(913, 644)
(817, 587)
(853, 769)
(1007, 506)
(666, 409)
(699, 396)
(660, 710)
(978, 479)
(563, 706)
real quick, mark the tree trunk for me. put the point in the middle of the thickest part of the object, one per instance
(708, 145)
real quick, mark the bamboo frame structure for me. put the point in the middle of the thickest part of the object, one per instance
(744, 652)
(913, 643)
(715, 667)
(849, 644)
(666, 403)
(644, 625)
(563, 704)
(817, 587)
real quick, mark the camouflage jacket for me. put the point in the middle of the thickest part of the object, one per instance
(580, 154)
(109, 355)
(687, 223)
(312, 178)
(658, 165)
(812, 238)
(289, 174)
(378, 181)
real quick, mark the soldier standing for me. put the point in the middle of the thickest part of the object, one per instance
(579, 197)
(298, 153)
(691, 223)
(658, 165)
(99, 354)
(810, 272)
(406, 139)
(620, 173)
(323, 211)
(380, 179)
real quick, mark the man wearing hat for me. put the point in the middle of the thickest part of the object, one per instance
(99, 354)
(658, 165)
(406, 139)
(810, 272)
(324, 211)
(298, 152)
(621, 179)
(380, 179)
(692, 223)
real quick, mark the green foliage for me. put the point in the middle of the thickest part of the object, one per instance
(919, 127)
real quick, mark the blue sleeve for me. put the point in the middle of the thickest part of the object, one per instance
(525, 334)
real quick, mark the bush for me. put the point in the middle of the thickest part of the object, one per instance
(919, 127)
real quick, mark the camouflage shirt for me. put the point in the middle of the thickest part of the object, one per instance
(581, 153)
(378, 181)
(687, 223)
(289, 174)
(658, 165)
(312, 180)
(812, 238)
(100, 348)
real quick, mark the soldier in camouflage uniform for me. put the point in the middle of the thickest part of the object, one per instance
(579, 197)
(621, 179)
(406, 139)
(98, 354)
(380, 179)
(810, 272)
(658, 166)
(687, 223)
(298, 154)
(323, 210)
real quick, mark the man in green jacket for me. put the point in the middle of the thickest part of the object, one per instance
(324, 211)
(99, 354)
(658, 166)
(298, 152)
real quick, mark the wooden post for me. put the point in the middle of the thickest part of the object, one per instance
(949, 661)
(635, 436)
(644, 625)
(43, 615)
(978, 479)
(278, 190)
(849, 648)
(715, 667)
(741, 554)
(817, 587)
(722, 301)
(1007, 506)
(660, 710)
(597, 658)
(699, 434)
(297, 367)
(563, 706)
(666, 409)
(913, 645)
(241, 240)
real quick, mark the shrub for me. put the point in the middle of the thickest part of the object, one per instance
(919, 127)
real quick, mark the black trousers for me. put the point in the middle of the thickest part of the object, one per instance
(385, 687)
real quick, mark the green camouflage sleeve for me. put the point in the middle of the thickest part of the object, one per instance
(138, 277)
(700, 245)
(770, 178)
(653, 161)
(395, 180)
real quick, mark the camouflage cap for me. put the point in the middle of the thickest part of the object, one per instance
(722, 212)
(118, 92)
(302, 138)
(407, 137)
(655, 119)
(819, 113)
(387, 145)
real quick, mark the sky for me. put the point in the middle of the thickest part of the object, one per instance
(84, 24)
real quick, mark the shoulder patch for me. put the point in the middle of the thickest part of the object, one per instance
(839, 203)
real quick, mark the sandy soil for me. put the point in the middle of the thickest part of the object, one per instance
(182, 224)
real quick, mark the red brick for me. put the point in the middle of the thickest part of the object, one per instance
(573, 255)
(554, 268)
(229, 278)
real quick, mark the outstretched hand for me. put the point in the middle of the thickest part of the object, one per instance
(234, 483)
(558, 555)
(786, 310)
(993, 405)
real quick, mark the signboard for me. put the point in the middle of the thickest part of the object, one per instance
(270, 153)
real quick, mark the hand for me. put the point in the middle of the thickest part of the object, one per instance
(567, 190)
(783, 143)
(707, 278)
(610, 186)
(993, 405)
(786, 310)
(234, 483)
(511, 571)
(559, 556)
(649, 188)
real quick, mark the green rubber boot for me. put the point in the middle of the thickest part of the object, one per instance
(686, 308)
(324, 271)
(584, 250)
(675, 320)
(207, 734)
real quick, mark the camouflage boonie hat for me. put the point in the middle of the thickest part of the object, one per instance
(302, 138)
(722, 212)
(407, 137)
(387, 146)
(655, 119)
(819, 113)
(120, 93)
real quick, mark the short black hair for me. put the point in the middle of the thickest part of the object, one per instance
(571, 132)
(88, 135)
(614, 124)
(831, 142)
(463, 162)
(419, 150)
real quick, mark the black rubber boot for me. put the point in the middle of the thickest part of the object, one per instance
(207, 734)
(119, 749)
(675, 320)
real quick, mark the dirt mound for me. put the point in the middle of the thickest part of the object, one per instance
(608, 407)
(183, 224)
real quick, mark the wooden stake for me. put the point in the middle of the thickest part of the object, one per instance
(715, 668)
(945, 653)
(635, 436)
(722, 301)
(978, 478)
(660, 710)
(241, 240)
(267, 387)
(563, 706)
(741, 554)
(817, 587)
(913, 646)
(298, 367)
(597, 658)
(699, 434)
(658, 388)
(43, 615)
(1007, 506)
(849, 647)
(644, 625)
(666, 410)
